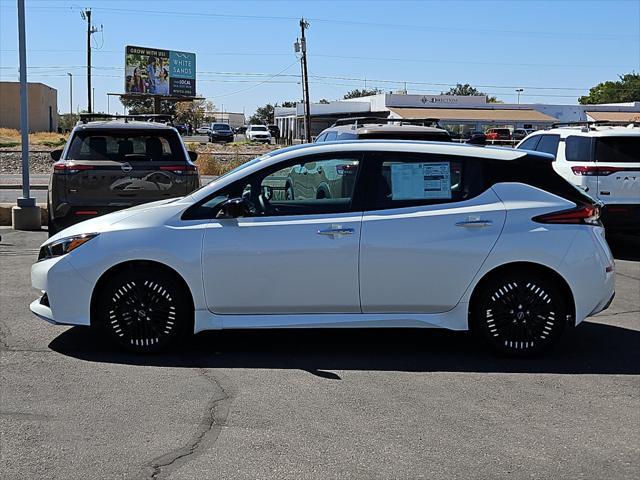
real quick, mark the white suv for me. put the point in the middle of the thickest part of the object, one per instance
(258, 133)
(602, 159)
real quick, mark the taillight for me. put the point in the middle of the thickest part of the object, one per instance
(346, 169)
(69, 168)
(586, 214)
(186, 168)
(595, 171)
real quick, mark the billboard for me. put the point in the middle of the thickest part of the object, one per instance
(160, 72)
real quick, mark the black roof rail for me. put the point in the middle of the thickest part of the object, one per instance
(145, 117)
(359, 121)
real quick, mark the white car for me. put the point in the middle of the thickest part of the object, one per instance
(422, 235)
(258, 133)
(603, 160)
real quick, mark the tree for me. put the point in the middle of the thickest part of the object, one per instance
(263, 115)
(361, 93)
(192, 112)
(142, 105)
(324, 101)
(627, 89)
(287, 104)
(468, 90)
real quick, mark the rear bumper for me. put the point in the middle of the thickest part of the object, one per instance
(621, 217)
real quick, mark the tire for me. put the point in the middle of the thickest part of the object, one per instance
(144, 310)
(520, 314)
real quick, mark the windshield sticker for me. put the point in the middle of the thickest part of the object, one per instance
(415, 181)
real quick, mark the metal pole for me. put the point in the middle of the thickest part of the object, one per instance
(304, 25)
(108, 109)
(89, 106)
(25, 200)
(70, 92)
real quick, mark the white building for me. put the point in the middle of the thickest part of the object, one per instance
(234, 119)
(458, 114)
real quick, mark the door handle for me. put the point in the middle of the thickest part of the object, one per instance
(333, 232)
(474, 223)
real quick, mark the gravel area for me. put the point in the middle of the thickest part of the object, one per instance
(40, 161)
(11, 162)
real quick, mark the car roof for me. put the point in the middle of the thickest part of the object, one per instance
(419, 146)
(594, 131)
(119, 125)
(382, 128)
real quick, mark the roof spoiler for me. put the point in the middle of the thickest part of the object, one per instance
(359, 121)
(147, 117)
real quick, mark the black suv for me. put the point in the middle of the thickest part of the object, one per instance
(110, 165)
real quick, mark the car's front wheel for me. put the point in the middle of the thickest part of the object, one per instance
(143, 309)
(520, 313)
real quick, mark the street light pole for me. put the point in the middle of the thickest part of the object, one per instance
(70, 92)
(25, 215)
(307, 111)
(519, 91)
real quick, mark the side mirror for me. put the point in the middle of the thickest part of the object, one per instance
(56, 154)
(193, 156)
(233, 208)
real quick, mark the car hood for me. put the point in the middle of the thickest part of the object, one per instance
(141, 215)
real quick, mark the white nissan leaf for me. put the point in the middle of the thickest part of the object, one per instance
(408, 234)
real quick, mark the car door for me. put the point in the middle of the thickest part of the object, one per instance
(291, 254)
(428, 226)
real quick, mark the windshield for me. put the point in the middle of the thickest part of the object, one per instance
(259, 129)
(220, 126)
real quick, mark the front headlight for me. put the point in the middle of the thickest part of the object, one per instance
(64, 245)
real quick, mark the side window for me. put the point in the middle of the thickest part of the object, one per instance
(549, 144)
(578, 149)
(321, 138)
(331, 136)
(530, 143)
(312, 186)
(404, 180)
(618, 149)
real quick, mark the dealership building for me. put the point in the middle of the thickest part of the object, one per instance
(43, 106)
(458, 114)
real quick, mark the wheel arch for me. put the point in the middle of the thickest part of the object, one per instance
(132, 264)
(520, 267)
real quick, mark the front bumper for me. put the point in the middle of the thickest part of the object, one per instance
(68, 294)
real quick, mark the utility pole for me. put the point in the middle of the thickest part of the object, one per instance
(307, 108)
(70, 92)
(86, 15)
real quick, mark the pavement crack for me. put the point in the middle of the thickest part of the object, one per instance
(214, 418)
(617, 313)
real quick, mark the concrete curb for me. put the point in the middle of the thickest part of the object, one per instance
(5, 213)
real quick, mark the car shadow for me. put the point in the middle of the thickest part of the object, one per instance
(592, 348)
(625, 246)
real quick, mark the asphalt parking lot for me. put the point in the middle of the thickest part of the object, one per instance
(318, 405)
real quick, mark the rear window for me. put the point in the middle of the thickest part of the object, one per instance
(618, 149)
(125, 146)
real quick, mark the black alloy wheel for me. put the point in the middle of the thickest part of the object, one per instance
(520, 314)
(144, 309)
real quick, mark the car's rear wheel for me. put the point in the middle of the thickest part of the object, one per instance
(143, 309)
(520, 314)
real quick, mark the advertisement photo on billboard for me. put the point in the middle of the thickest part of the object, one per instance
(155, 71)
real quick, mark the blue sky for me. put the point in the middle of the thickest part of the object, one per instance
(555, 50)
